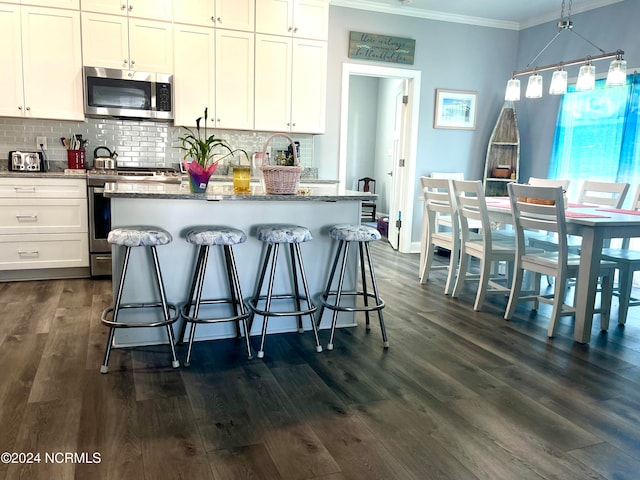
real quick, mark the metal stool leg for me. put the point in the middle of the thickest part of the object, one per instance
(365, 293)
(325, 294)
(198, 283)
(192, 290)
(265, 318)
(376, 293)
(104, 368)
(307, 295)
(232, 292)
(165, 309)
(343, 268)
(296, 290)
(236, 294)
(263, 272)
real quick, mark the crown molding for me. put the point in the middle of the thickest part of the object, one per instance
(409, 11)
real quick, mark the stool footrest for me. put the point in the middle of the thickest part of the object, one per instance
(253, 305)
(186, 308)
(107, 316)
(367, 308)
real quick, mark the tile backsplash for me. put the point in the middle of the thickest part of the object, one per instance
(138, 143)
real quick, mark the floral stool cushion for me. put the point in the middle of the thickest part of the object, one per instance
(215, 235)
(354, 233)
(139, 236)
(282, 233)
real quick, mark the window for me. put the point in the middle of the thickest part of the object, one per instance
(597, 135)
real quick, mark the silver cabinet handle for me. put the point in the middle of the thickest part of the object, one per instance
(33, 218)
(25, 189)
(28, 108)
(130, 7)
(19, 107)
(123, 7)
(133, 62)
(102, 258)
(295, 29)
(28, 253)
(213, 19)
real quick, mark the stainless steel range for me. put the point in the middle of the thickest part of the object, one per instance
(100, 208)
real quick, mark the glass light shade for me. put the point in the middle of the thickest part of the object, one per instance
(617, 75)
(534, 87)
(586, 78)
(558, 83)
(512, 93)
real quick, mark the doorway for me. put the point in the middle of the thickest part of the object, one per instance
(399, 150)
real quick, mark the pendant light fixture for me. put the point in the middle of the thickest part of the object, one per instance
(586, 78)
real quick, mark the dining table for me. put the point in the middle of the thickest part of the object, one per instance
(594, 224)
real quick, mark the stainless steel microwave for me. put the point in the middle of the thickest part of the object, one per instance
(110, 92)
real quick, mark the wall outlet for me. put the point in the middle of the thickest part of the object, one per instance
(41, 141)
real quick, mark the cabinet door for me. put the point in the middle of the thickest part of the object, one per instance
(194, 12)
(96, 51)
(234, 79)
(152, 9)
(308, 86)
(236, 14)
(52, 63)
(150, 46)
(194, 74)
(274, 17)
(311, 19)
(273, 83)
(112, 7)
(12, 98)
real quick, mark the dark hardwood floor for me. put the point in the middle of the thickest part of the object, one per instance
(459, 394)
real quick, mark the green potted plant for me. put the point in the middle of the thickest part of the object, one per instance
(202, 154)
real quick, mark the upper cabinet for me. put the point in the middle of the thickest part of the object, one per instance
(134, 43)
(292, 96)
(151, 9)
(33, 39)
(297, 18)
(72, 4)
(228, 14)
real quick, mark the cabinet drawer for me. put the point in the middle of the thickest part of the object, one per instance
(37, 216)
(13, 187)
(44, 251)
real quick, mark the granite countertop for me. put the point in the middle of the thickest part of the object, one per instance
(217, 192)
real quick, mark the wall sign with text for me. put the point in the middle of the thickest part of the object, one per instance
(381, 48)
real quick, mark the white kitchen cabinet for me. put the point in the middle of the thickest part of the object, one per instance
(71, 4)
(225, 63)
(33, 67)
(297, 18)
(227, 14)
(43, 223)
(291, 91)
(151, 9)
(133, 43)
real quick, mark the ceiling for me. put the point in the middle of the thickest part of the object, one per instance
(510, 14)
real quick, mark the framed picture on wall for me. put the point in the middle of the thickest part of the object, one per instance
(455, 109)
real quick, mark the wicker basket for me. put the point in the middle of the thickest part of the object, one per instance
(280, 179)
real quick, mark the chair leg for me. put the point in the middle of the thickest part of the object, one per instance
(104, 368)
(263, 271)
(453, 269)
(376, 294)
(462, 273)
(165, 309)
(325, 294)
(483, 284)
(338, 291)
(365, 293)
(265, 318)
(192, 290)
(625, 283)
(236, 296)
(559, 292)
(428, 261)
(605, 299)
(307, 295)
(296, 290)
(514, 295)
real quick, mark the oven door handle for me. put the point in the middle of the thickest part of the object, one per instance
(98, 189)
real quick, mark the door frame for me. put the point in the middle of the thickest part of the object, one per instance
(406, 182)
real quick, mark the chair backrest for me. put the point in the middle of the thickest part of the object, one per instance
(367, 184)
(538, 208)
(451, 175)
(471, 205)
(438, 200)
(609, 194)
(635, 203)
(549, 182)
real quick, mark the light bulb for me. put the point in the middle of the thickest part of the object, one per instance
(617, 75)
(534, 87)
(558, 83)
(586, 78)
(512, 94)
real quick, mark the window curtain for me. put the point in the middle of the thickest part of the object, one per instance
(597, 136)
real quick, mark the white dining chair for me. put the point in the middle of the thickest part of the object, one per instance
(438, 202)
(603, 194)
(627, 263)
(550, 182)
(489, 247)
(547, 214)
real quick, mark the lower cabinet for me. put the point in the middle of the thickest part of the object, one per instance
(43, 223)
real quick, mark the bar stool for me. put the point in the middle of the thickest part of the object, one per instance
(131, 237)
(274, 236)
(346, 234)
(206, 237)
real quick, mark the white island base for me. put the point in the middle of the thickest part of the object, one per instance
(177, 259)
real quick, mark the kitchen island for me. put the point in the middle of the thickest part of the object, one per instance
(174, 208)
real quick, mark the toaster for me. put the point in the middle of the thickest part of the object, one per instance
(25, 161)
